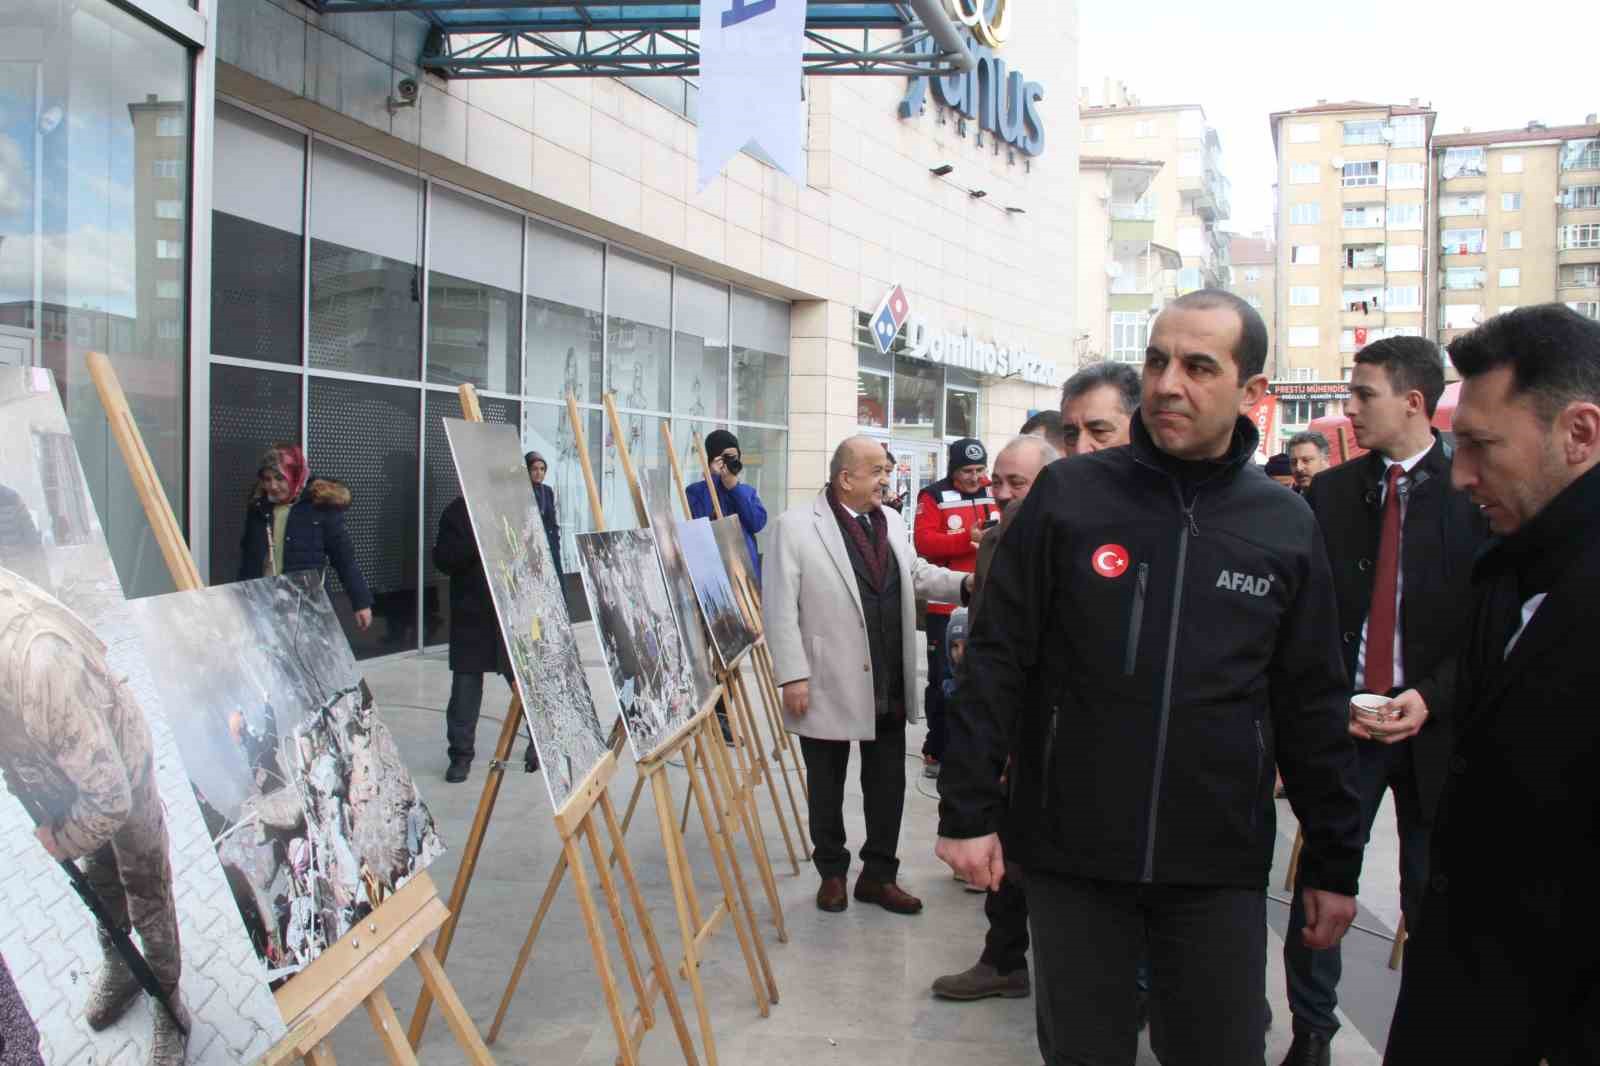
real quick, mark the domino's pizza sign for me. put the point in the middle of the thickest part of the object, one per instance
(956, 348)
(892, 312)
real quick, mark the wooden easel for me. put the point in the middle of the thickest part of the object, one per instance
(574, 820)
(1291, 885)
(706, 774)
(352, 971)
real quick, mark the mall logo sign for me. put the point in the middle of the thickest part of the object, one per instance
(956, 348)
(1001, 101)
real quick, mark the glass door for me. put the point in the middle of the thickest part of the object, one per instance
(916, 467)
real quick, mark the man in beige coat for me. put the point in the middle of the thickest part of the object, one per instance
(839, 596)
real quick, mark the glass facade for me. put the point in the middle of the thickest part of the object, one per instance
(346, 320)
(95, 161)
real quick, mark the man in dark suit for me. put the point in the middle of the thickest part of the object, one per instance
(1400, 541)
(1503, 965)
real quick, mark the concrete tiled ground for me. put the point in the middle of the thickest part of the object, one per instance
(854, 987)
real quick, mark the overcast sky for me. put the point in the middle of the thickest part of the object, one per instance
(1244, 59)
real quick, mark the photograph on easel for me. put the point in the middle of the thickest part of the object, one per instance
(313, 814)
(736, 562)
(646, 657)
(103, 850)
(730, 631)
(526, 589)
(659, 495)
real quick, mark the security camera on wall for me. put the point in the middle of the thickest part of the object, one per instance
(405, 95)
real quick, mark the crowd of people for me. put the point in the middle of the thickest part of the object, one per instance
(1155, 631)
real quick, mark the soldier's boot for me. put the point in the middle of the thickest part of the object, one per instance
(113, 991)
(169, 1045)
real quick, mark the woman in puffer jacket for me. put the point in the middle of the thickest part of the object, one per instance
(296, 522)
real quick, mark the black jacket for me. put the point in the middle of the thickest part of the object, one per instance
(1442, 534)
(1148, 699)
(545, 497)
(475, 643)
(1506, 930)
(314, 537)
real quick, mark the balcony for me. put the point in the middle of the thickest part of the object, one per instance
(1135, 230)
(1210, 189)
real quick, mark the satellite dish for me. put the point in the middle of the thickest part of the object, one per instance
(1337, 162)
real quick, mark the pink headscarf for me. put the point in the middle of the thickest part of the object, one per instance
(290, 461)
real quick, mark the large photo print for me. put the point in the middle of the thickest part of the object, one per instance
(526, 589)
(95, 792)
(730, 631)
(314, 816)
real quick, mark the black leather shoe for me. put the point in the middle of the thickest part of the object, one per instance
(459, 768)
(530, 761)
(1309, 1049)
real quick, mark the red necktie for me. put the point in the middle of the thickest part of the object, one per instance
(1385, 583)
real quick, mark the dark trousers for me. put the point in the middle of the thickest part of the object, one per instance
(1005, 946)
(933, 693)
(1208, 961)
(883, 793)
(1313, 976)
(461, 714)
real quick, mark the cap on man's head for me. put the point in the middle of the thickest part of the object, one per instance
(968, 451)
(719, 441)
(1280, 465)
(533, 457)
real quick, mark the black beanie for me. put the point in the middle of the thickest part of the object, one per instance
(719, 441)
(968, 451)
(1280, 465)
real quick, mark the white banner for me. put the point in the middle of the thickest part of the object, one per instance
(750, 62)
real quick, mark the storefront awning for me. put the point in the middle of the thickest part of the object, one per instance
(542, 39)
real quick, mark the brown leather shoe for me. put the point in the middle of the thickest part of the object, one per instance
(831, 895)
(888, 895)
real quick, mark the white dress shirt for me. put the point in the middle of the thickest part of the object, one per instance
(1407, 465)
(1529, 609)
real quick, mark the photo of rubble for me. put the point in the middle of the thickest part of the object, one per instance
(660, 498)
(87, 750)
(730, 631)
(545, 658)
(736, 561)
(645, 655)
(313, 815)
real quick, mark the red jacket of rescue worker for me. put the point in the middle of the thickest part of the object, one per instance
(946, 517)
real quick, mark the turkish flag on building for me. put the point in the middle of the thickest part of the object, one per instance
(1361, 336)
(1264, 414)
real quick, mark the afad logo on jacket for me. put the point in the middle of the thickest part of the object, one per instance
(1234, 581)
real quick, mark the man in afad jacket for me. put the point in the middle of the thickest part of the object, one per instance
(1159, 625)
(952, 514)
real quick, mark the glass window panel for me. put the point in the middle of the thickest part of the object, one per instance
(960, 413)
(700, 360)
(20, 181)
(638, 324)
(440, 487)
(366, 304)
(566, 283)
(648, 453)
(250, 410)
(918, 398)
(256, 230)
(872, 399)
(365, 435)
(474, 286)
(547, 430)
(765, 453)
(760, 358)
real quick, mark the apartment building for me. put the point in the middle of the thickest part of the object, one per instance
(1353, 222)
(1253, 262)
(1124, 274)
(1518, 221)
(1190, 195)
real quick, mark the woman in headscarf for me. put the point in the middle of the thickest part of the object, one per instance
(296, 522)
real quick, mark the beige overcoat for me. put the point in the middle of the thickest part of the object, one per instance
(815, 626)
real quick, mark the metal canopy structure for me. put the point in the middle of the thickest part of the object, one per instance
(631, 38)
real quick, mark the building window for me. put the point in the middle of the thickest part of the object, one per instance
(1130, 336)
(1580, 196)
(1144, 128)
(1464, 278)
(1363, 256)
(1190, 164)
(169, 249)
(760, 358)
(1463, 204)
(169, 290)
(169, 329)
(1460, 316)
(1364, 298)
(1586, 308)
(1304, 133)
(1365, 132)
(474, 294)
(700, 348)
(1511, 201)
(1511, 163)
(1462, 163)
(1510, 277)
(1347, 340)
(1408, 130)
(638, 331)
(1511, 239)
(1406, 175)
(1303, 337)
(167, 168)
(1405, 216)
(1402, 257)
(1305, 254)
(1305, 373)
(1585, 275)
(1368, 172)
(1252, 274)
(1581, 155)
(1403, 298)
(1303, 296)
(1461, 241)
(170, 209)
(566, 334)
(1304, 174)
(1305, 214)
(1301, 412)
(1094, 132)
(1584, 236)
(1363, 216)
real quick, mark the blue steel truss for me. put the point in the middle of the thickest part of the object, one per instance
(631, 38)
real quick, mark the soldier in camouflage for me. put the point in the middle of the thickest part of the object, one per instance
(76, 750)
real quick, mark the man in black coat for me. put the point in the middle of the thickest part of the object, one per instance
(475, 644)
(1402, 485)
(1159, 622)
(1503, 965)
